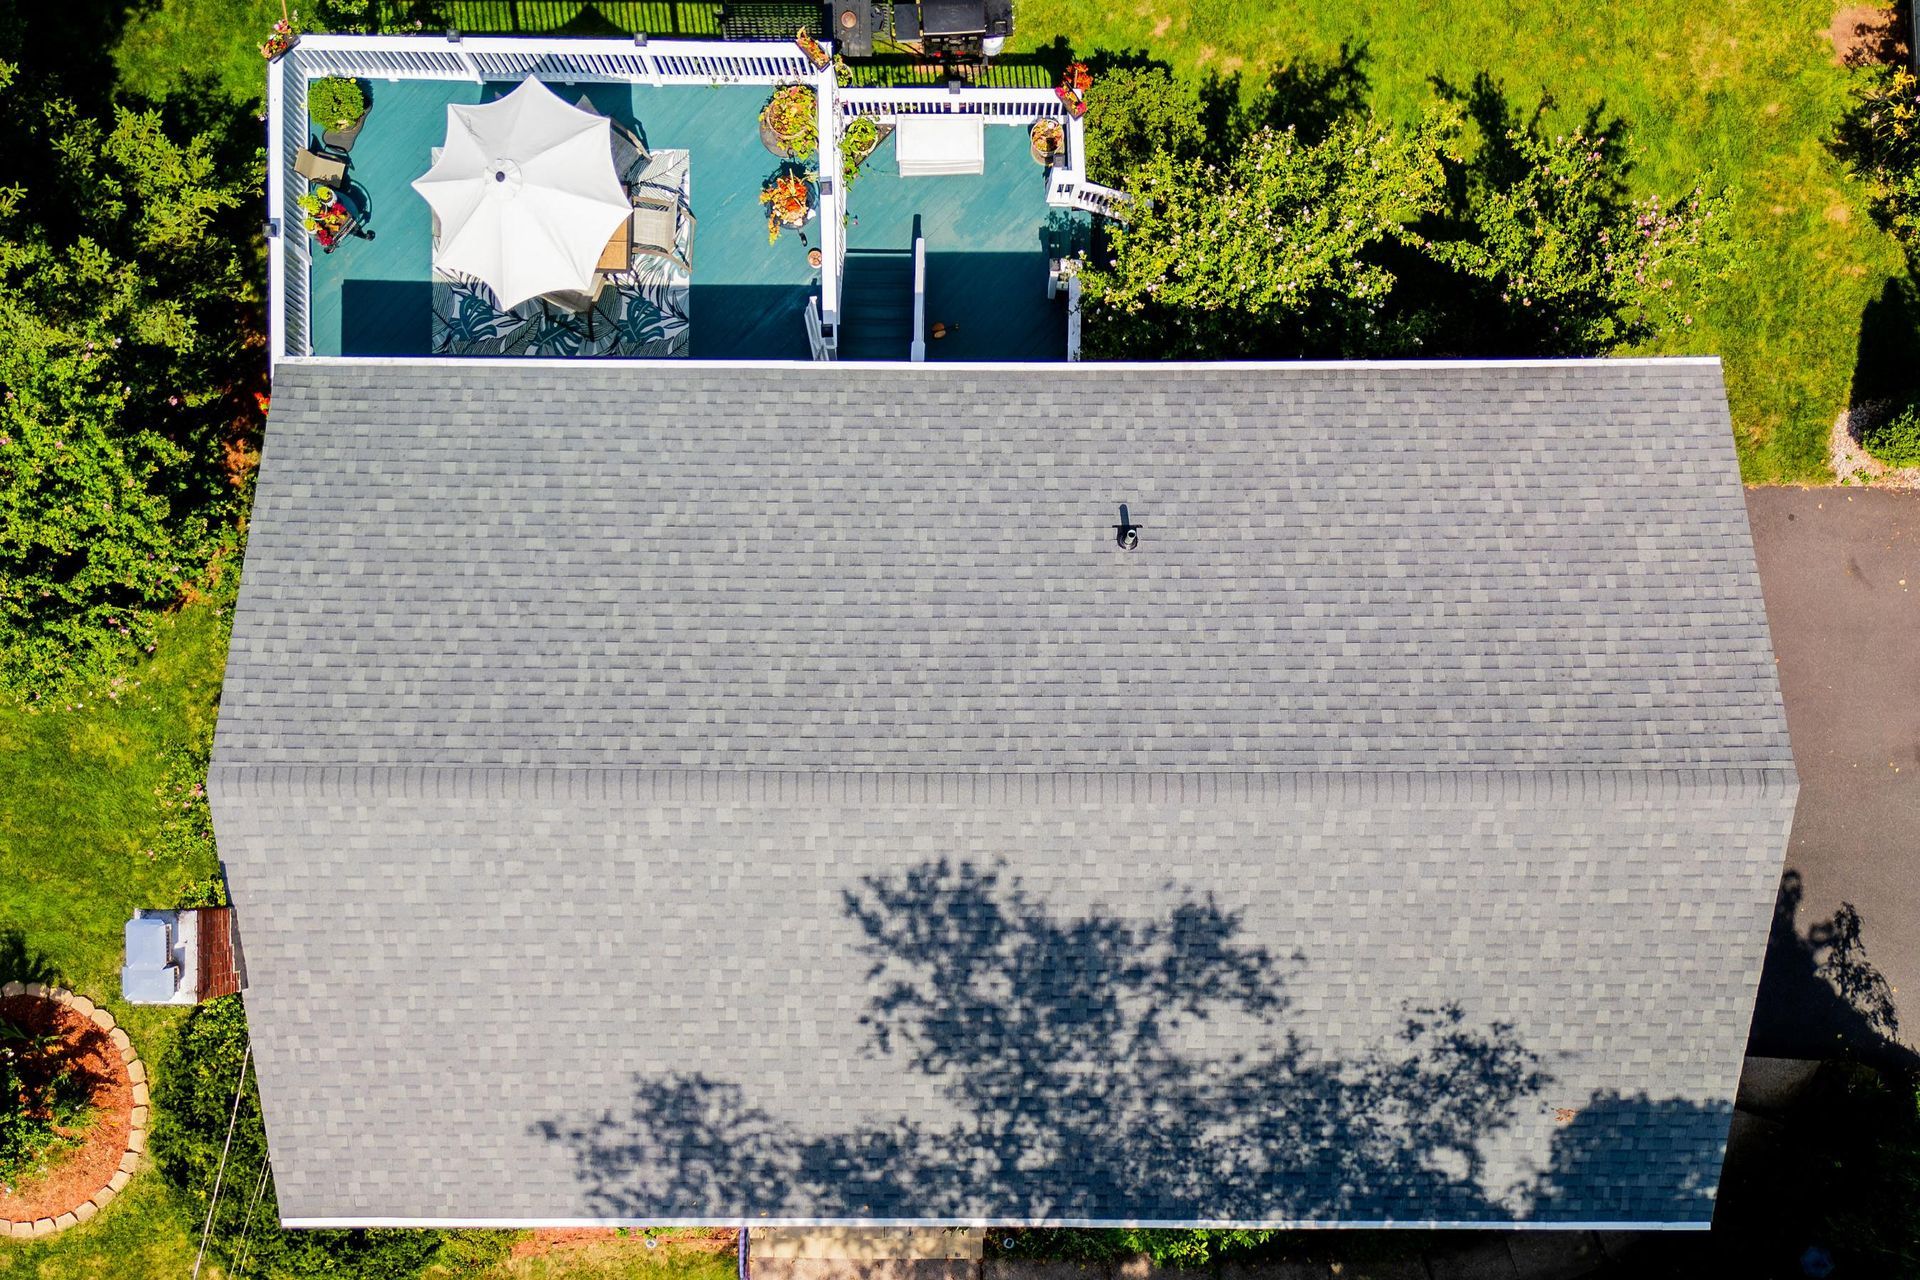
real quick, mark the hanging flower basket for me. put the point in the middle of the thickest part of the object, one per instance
(1072, 89)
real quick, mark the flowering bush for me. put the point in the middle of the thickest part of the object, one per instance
(791, 116)
(788, 197)
(1073, 86)
(1880, 139)
(45, 1099)
(284, 35)
(1267, 254)
(1579, 269)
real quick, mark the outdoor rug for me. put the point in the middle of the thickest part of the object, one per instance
(645, 313)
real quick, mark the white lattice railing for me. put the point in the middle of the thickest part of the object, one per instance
(289, 251)
(482, 58)
(1007, 106)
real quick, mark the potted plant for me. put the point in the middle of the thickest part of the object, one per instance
(1073, 86)
(857, 142)
(1047, 137)
(789, 123)
(337, 103)
(281, 39)
(327, 218)
(788, 196)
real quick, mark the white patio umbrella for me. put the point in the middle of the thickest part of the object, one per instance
(526, 193)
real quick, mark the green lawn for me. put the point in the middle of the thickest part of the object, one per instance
(1748, 89)
(78, 815)
(214, 44)
(621, 1259)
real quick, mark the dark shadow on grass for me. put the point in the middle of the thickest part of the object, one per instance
(1074, 1049)
(1886, 364)
(21, 963)
(1312, 95)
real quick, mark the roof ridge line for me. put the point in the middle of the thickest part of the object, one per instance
(625, 784)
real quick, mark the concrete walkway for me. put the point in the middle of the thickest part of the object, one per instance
(1521, 1255)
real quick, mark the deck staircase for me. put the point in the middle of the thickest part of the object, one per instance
(876, 305)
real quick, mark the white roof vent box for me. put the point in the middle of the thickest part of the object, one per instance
(181, 957)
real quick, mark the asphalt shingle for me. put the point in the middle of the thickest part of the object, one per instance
(662, 792)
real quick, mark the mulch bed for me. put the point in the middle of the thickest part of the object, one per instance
(76, 1175)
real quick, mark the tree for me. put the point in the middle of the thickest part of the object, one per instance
(1545, 223)
(1267, 254)
(129, 362)
(1136, 113)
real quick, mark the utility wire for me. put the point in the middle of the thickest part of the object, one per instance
(239, 1091)
(246, 1224)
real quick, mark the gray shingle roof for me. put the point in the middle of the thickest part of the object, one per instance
(665, 792)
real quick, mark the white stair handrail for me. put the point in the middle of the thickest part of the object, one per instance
(918, 351)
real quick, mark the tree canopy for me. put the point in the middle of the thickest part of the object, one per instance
(130, 363)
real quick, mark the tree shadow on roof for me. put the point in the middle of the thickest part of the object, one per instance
(1084, 1056)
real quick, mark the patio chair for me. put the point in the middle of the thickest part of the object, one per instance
(318, 166)
(340, 141)
(629, 153)
(654, 230)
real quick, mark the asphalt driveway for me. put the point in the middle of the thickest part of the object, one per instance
(1841, 573)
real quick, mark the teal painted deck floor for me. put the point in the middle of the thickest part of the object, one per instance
(987, 235)
(373, 297)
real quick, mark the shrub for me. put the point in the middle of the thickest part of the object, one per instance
(1135, 114)
(1167, 1247)
(193, 1101)
(1895, 438)
(336, 101)
(1879, 137)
